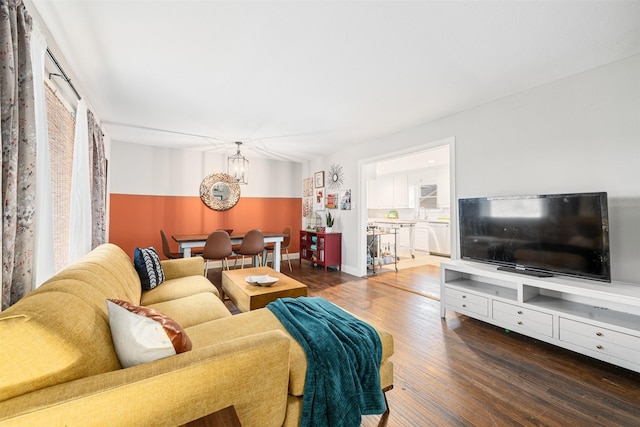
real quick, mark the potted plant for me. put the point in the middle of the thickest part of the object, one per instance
(330, 221)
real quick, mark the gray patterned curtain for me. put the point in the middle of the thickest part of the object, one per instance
(18, 131)
(98, 182)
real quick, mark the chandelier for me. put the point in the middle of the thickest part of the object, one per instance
(238, 167)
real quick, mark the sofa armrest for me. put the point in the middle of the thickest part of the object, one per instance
(249, 373)
(182, 267)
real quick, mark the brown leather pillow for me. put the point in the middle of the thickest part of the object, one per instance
(134, 344)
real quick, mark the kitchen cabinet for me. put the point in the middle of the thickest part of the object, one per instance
(422, 236)
(423, 177)
(400, 191)
(387, 192)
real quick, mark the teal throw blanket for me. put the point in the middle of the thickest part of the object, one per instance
(343, 357)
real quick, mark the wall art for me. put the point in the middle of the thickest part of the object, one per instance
(318, 200)
(307, 187)
(345, 200)
(332, 201)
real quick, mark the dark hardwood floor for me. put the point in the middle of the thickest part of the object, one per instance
(462, 372)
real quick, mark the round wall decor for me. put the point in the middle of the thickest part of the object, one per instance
(219, 191)
(336, 176)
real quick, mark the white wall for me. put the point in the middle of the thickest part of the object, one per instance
(142, 169)
(578, 134)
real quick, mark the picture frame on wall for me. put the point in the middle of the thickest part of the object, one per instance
(307, 206)
(332, 201)
(345, 200)
(318, 200)
(307, 187)
(319, 179)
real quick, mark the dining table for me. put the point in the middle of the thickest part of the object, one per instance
(188, 241)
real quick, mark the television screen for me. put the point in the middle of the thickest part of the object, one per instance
(566, 234)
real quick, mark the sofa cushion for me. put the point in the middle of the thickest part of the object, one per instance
(177, 288)
(245, 324)
(182, 267)
(193, 309)
(262, 320)
(141, 334)
(147, 263)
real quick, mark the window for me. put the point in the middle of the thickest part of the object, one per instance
(61, 126)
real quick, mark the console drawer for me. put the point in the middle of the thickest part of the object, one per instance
(523, 318)
(606, 341)
(466, 301)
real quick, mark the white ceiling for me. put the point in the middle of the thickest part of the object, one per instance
(294, 79)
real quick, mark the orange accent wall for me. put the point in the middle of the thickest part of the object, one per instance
(136, 220)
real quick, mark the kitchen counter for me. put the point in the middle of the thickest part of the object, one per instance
(440, 220)
(399, 222)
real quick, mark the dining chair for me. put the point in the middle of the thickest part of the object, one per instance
(217, 247)
(284, 247)
(252, 245)
(166, 250)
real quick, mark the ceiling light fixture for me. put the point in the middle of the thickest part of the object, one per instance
(238, 167)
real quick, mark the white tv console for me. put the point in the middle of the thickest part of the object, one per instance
(598, 319)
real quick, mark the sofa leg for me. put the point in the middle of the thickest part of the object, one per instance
(385, 416)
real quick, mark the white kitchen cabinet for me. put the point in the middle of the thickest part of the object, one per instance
(381, 192)
(388, 192)
(422, 236)
(400, 191)
(423, 177)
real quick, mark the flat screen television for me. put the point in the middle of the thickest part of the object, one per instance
(542, 235)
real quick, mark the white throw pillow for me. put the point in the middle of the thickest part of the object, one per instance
(140, 334)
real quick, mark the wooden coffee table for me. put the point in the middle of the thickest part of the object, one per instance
(249, 297)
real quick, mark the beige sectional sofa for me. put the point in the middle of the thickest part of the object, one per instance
(58, 365)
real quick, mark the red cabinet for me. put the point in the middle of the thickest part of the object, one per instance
(323, 249)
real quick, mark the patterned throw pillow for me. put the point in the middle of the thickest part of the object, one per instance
(142, 334)
(147, 263)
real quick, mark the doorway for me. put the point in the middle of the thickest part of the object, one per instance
(410, 191)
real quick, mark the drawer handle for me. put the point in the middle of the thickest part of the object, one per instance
(599, 334)
(464, 305)
(519, 312)
(464, 296)
(599, 347)
(519, 322)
